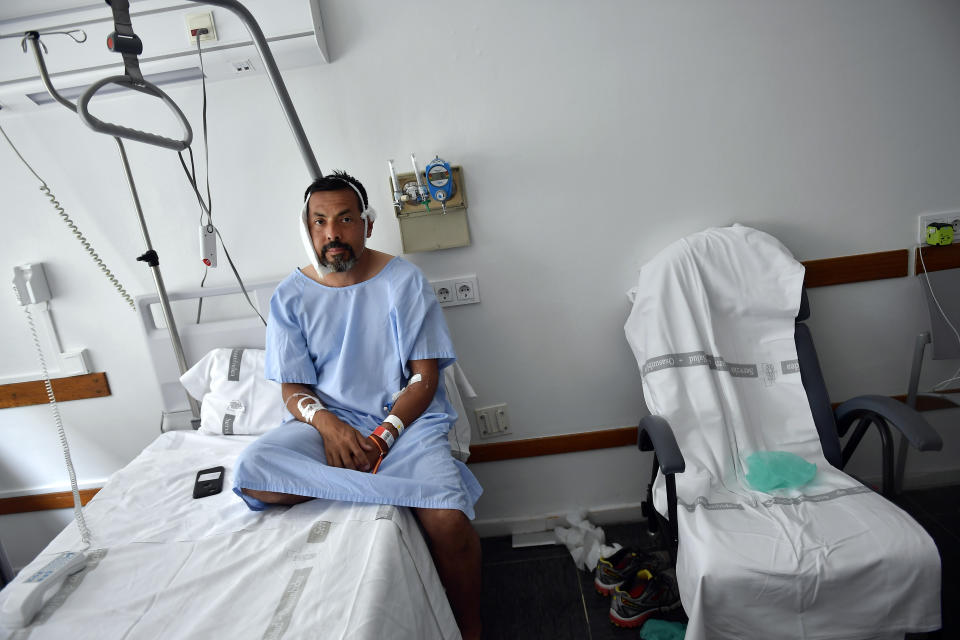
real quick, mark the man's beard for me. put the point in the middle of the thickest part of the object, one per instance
(340, 262)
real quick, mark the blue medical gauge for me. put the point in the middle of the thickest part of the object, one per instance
(439, 180)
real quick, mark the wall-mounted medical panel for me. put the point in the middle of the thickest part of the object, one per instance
(428, 228)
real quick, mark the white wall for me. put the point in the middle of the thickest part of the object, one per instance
(591, 135)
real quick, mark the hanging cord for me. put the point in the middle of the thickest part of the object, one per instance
(207, 207)
(206, 170)
(206, 149)
(64, 445)
(956, 374)
(191, 176)
(73, 227)
(242, 288)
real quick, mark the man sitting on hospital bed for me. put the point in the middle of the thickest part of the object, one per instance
(345, 335)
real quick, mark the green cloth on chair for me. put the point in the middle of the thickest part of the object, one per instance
(663, 630)
(768, 470)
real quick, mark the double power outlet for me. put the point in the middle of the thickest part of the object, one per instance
(949, 217)
(456, 291)
(492, 420)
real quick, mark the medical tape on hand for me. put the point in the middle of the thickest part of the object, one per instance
(298, 395)
(413, 380)
(384, 434)
(309, 410)
(396, 422)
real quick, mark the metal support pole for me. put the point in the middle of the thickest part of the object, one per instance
(886, 439)
(647, 507)
(674, 526)
(150, 257)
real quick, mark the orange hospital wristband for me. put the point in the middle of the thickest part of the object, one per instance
(381, 445)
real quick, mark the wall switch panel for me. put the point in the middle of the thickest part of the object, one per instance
(492, 421)
(456, 291)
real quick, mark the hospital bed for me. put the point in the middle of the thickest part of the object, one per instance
(729, 371)
(162, 564)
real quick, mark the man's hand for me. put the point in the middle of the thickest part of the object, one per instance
(344, 446)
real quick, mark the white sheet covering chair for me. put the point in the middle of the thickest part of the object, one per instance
(715, 332)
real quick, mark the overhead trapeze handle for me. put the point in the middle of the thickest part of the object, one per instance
(120, 131)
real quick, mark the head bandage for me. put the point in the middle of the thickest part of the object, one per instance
(368, 215)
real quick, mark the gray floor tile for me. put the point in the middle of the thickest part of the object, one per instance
(532, 599)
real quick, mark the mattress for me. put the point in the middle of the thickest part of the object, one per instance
(162, 564)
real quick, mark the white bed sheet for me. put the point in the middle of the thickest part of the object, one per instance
(163, 565)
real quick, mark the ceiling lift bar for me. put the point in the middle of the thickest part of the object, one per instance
(150, 256)
(128, 44)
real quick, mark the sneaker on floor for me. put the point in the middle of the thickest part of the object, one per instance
(611, 572)
(643, 596)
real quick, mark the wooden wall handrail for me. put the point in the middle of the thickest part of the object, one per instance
(858, 268)
(551, 445)
(44, 501)
(22, 394)
(479, 453)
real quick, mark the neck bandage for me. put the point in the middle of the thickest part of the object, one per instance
(368, 215)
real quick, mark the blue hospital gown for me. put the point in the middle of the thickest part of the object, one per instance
(353, 345)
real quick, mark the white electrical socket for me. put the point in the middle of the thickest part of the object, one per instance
(456, 291)
(949, 217)
(201, 21)
(465, 289)
(443, 293)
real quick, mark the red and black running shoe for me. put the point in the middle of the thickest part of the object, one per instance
(642, 596)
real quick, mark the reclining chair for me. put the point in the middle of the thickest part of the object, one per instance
(729, 370)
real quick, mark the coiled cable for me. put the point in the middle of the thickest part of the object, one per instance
(64, 445)
(73, 227)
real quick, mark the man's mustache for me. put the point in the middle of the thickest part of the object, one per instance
(337, 245)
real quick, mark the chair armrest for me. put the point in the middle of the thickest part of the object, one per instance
(655, 434)
(908, 421)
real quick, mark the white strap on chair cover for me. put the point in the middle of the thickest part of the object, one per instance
(712, 328)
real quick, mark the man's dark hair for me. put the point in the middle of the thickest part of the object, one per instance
(335, 182)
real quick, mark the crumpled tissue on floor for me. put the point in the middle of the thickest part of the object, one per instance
(584, 540)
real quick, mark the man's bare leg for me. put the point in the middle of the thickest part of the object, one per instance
(455, 547)
(271, 497)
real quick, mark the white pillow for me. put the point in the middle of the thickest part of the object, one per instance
(235, 397)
